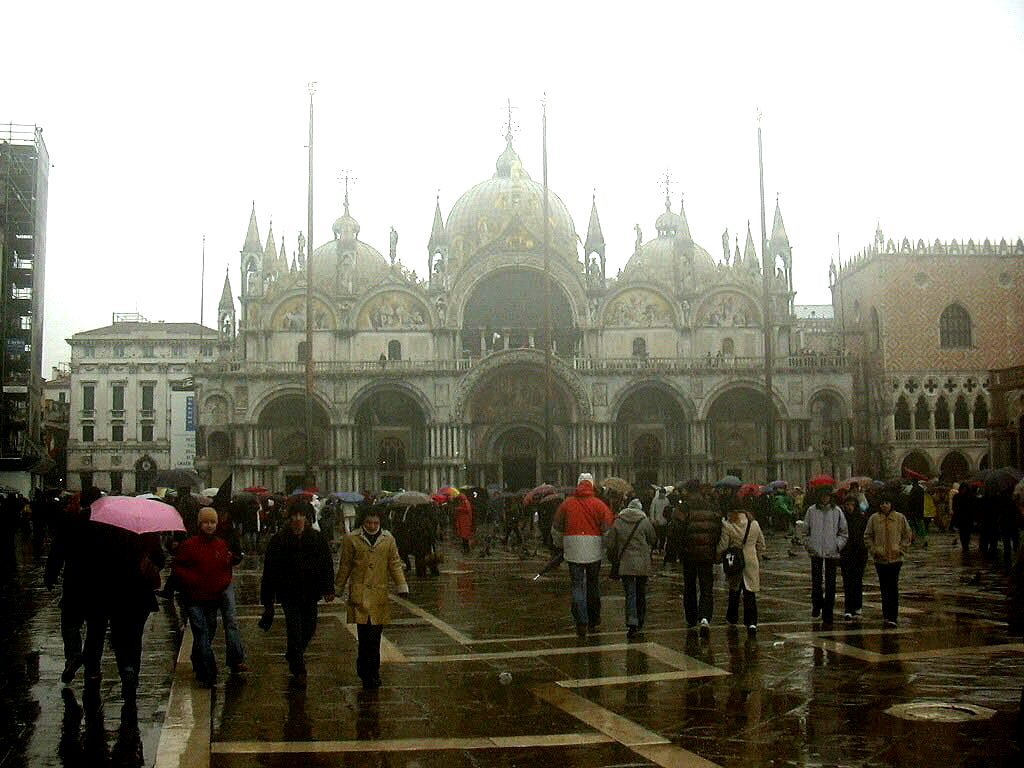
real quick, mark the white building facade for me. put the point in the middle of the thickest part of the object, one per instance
(132, 417)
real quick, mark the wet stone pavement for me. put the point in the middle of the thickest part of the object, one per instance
(941, 689)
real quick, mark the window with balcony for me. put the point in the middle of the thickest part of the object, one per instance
(87, 433)
(88, 350)
(147, 433)
(148, 350)
(639, 347)
(117, 433)
(206, 350)
(954, 327)
(119, 350)
(116, 483)
(177, 350)
(88, 397)
(394, 350)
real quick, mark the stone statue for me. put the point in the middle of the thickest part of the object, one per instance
(639, 238)
(725, 245)
(394, 245)
(302, 246)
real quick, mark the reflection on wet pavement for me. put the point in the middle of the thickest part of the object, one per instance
(482, 667)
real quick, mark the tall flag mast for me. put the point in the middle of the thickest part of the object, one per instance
(548, 334)
(310, 479)
(767, 266)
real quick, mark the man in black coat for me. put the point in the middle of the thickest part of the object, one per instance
(297, 571)
(700, 524)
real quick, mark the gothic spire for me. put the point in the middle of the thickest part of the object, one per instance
(438, 238)
(749, 253)
(270, 251)
(282, 259)
(595, 238)
(226, 302)
(779, 235)
(683, 233)
(252, 237)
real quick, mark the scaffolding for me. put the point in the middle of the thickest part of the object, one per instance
(24, 169)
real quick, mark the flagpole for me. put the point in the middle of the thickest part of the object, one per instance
(310, 479)
(548, 341)
(202, 288)
(767, 267)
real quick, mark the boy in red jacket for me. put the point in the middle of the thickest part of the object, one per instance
(202, 568)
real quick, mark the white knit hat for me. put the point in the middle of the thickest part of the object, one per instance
(585, 477)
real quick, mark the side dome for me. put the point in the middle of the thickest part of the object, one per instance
(347, 263)
(655, 260)
(507, 212)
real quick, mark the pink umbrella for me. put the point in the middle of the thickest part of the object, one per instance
(136, 514)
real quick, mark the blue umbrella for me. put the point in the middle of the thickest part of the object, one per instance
(349, 497)
(729, 481)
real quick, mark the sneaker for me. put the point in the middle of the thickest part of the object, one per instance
(815, 613)
(632, 631)
(889, 623)
(752, 629)
(581, 630)
(705, 626)
(848, 616)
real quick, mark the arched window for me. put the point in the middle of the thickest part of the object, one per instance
(728, 346)
(980, 413)
(941, 413)
(961, 414)
(954, 327)
(639, 347)
(394, 350)
(902, 414)
(921, 413)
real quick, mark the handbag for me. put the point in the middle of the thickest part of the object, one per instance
(614, 573)
(733, 560)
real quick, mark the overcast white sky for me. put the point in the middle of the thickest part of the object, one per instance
(165, 123)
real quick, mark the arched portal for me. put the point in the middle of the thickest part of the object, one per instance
(737, 426)
(282, 437)
(954, 467)
(391, 443)
(829, 431)
(652, 433)
(506, 413)
(506, 311)
(918, 462)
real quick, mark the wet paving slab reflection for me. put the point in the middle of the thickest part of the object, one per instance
(482, 666)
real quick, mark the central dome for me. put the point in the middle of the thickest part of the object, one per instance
(506, 213)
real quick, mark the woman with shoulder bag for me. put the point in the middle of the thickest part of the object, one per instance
(739, 530)
(629, 543)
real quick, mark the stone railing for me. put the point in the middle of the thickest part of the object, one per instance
(669, 365)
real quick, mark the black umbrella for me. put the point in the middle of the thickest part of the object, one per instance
(551, 564)
(998, 480)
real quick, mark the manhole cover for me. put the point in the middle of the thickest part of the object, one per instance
(940, 712)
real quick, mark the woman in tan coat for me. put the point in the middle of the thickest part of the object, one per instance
(747, 583)
(369, 558)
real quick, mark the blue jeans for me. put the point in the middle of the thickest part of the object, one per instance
(202, 617)
(586, 592)
(229, 617)
(636, 600)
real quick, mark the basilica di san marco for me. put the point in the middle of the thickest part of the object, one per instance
(657, 373)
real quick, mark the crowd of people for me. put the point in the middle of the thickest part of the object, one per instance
(111, 578)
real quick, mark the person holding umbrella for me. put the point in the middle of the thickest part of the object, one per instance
(124, 544)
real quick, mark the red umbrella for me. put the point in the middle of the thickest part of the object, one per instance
(749, 489)
(534, 496)
(257, 489)
(821, 480)
(449, 492)
(136, 514)
(908, 472)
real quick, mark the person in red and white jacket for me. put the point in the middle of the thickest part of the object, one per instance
(578, 529)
